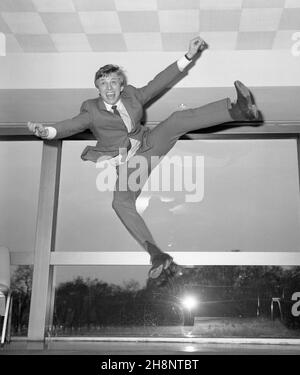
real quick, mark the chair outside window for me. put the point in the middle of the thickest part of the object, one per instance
(5, 295)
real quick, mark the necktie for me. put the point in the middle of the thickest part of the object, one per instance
(123, 151)
(116, 112)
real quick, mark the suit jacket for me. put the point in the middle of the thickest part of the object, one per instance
(108, 128)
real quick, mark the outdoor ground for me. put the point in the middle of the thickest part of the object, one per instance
(207, 336)
(203, 327)
(148, 348)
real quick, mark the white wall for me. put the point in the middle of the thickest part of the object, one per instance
(214, 69)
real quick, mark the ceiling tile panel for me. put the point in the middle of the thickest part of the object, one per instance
(255, 40)
(179, 20)
(138, 41)
(260, 19)
(3, 26)
(106, 22)
(107, 42)
(225, 40)
(135, 5)
(284, 39)
(139, 21)
(178, 4)
(71, 42)
(292, 4)
(290, 19)
(263, 3)
(16, 6)
(176, 41)
(12, 45)
(62, 22)
(24, 22)
(219, 20)
(34, 43)
(94, 5)
(216, 4)
(54, 5)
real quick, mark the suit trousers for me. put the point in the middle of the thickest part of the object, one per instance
(163, 137)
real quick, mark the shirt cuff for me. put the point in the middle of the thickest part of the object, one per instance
(182, 63)
(51, 132)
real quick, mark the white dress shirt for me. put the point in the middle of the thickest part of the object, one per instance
(135, 144)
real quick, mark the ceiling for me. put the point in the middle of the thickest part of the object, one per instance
(53, 26)
(59, 44)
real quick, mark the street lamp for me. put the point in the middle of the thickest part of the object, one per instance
(189, 303)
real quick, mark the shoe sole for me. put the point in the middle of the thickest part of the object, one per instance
(172, 273)
(240, 87)
(156, 272)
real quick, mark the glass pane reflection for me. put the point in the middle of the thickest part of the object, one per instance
(20, 165)
(255, 182)
(207, 301)
(21, 284)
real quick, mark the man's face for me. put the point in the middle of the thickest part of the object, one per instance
(110, 88)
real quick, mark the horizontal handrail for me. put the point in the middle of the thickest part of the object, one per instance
(188, 258)
(234, 130)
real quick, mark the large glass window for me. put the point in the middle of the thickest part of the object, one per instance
(21, 284)
(207, 301)
(20, 164)
(219, 196)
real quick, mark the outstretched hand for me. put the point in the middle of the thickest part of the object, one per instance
(196, 45)
(38, 129)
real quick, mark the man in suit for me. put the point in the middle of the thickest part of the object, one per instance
(114, 118)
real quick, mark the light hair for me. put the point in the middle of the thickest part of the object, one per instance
(108, 69)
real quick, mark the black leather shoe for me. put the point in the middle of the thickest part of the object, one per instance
(167, 277)
(160, 282)
(244, 108)
(160, 262)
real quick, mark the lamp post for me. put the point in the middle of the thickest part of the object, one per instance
(189, 303)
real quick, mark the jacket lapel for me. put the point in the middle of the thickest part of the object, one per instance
(126, 100)
(101, 105)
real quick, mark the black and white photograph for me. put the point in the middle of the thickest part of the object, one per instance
(149, 181)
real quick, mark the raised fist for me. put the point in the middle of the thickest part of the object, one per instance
(38, 129)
